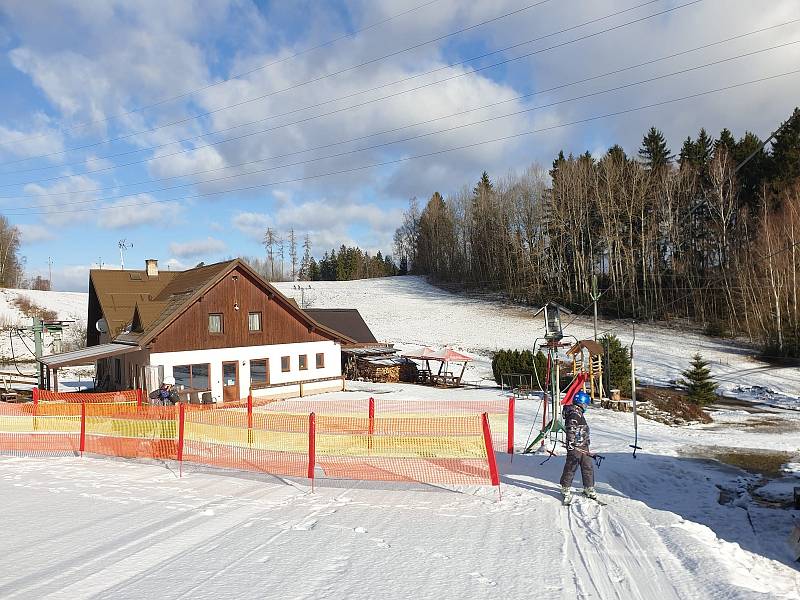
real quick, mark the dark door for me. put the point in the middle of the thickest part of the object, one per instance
(230, 381)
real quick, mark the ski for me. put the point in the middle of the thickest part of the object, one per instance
(597, 500)
(566, 501)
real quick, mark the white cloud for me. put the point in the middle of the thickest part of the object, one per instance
(39, 139)
(197, 248)
(32, 233)
(252, 224)
(61, 201)
(137, 210)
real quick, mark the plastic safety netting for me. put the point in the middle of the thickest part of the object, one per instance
(409, 446)
(78, 397)
(500, 412)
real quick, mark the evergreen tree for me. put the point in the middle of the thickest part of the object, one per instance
(698, 381)
(786, 150)
(725, 142)
(687, 152)
(484, 186)
(557, 163)
(654, 150)
(619, 364)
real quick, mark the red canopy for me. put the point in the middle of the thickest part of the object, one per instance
(446, 355)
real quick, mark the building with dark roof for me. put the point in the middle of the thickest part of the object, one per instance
(220, 330)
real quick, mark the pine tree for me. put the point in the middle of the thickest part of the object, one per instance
(698, 381)
(619, 364)
(786, 150)
(654, 150)
(725, 142)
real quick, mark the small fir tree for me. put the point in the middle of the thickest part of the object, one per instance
(619, 364)
(698, 382)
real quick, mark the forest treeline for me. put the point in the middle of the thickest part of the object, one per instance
(285, 261)
(666, 236)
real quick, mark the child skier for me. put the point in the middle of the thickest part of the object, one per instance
(165, 395)
(577, 448)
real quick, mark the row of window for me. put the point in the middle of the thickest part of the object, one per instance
(196, 377)
(216, 324)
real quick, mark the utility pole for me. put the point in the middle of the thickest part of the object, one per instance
(50, 271)
(595, 298)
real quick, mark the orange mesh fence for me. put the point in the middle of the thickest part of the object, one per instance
(270, 443)
(131, 431)
(23, 432)
(500, 411)
(78, 397)
(447, 450)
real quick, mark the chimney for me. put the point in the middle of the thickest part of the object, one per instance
(152, 267)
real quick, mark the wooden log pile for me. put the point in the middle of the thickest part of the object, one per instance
(386, 371)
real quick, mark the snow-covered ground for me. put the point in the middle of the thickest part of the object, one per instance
(677, 524)
(103, 528)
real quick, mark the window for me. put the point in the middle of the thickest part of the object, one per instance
(215, 323)
(192, 377)
(254, 321)
(285, 365)
(303, 362)
(259, 373)
(320, 360)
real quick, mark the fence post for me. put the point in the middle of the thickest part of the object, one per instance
(510, 428)
(487, 440)
(36, 396)
(371, 421)
(83, 428)
(312, 447)
(181, 420)
(139, 397)
(250, 418)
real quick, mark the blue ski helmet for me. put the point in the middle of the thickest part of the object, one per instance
(582, 399)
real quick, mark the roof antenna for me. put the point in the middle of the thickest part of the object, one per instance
(123, 246)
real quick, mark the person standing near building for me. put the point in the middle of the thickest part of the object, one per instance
(578, 454)
(166, 394)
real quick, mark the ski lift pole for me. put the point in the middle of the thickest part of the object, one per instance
(635, 444)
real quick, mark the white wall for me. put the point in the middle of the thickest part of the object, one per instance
(215, 357)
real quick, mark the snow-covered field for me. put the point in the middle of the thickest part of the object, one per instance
(410, 313)
(677, 526)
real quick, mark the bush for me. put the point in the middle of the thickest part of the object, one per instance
(717, 328)
(619, 364)
(524, 363)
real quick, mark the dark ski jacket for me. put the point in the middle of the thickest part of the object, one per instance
(577, 428)
(164, 396)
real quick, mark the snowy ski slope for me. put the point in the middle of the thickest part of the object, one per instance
(102, 528)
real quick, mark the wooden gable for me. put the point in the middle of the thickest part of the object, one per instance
(279, 325)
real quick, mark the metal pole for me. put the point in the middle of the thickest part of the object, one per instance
(635, 445)
(37, 341)
(595, 298)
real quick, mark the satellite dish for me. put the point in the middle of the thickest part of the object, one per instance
(101, 326)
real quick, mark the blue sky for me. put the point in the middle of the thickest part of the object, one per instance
(83, 168)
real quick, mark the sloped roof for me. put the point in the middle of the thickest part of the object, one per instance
(118, 293)
(158, 301)
(347, 321)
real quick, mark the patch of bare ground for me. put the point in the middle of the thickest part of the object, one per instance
(669, 406)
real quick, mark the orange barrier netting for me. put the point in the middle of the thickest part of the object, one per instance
(78, 397)
(500, 411)
(446, 450)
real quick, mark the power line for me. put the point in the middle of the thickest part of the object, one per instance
(437, 152)
(418, 123)
(340, 110)
(230, 78)
(406, 139)
(303, 83)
